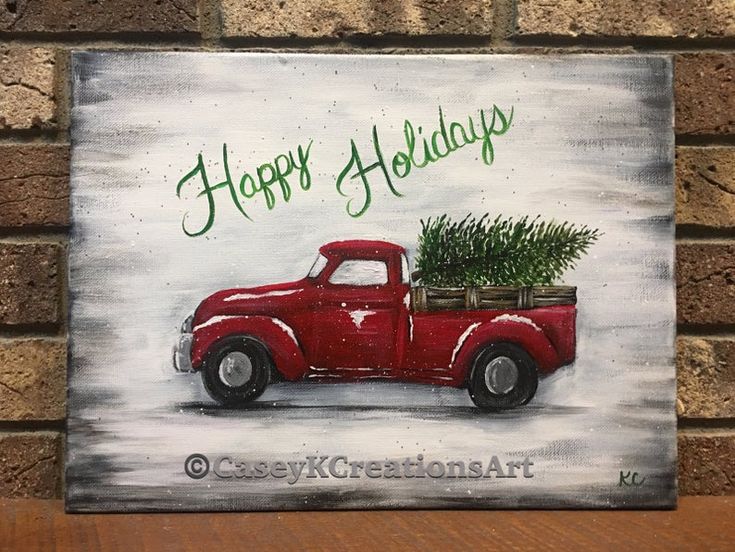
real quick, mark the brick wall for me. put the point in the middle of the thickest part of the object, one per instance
(37, 35)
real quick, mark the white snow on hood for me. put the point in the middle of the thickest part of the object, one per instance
(276, 293)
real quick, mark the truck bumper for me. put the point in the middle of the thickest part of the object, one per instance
(182, 353)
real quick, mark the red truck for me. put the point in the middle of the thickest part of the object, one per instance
(352, 318)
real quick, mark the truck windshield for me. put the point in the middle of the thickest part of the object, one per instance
(318, 266)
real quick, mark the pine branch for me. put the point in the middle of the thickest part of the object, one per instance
(499, 252)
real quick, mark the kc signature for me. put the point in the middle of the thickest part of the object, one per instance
(630, 479)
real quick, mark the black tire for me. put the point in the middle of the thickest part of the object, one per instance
(226, 375)
(492, 386)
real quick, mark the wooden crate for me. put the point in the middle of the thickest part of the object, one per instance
(495, 297)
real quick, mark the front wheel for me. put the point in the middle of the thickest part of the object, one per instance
(503, 376)
(236, 370)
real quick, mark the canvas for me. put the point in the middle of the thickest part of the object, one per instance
(370, 281)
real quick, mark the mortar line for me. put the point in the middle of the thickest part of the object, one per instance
(32, 426)
(211, 38)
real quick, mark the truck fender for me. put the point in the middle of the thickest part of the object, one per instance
(276, 335)
(521, 331)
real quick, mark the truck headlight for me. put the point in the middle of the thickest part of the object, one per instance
(186, 324)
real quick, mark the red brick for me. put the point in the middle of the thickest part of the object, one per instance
(30, 464)
(705, 94)
(705, 283)
(32, 379)
(705, 371)
(624, 18)
(99, 16)
(705, 187)
(34, 185)
(337, 18)
(29, 283)
(27, 97)
(706, 465)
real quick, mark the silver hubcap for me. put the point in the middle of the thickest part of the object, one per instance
(235, 369)
(501, 375)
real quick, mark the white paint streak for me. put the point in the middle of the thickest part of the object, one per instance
(286, 328)
(277, 293)
(516, 318)
(215, 320)
(359, 316)
(280, 323)
(362, 369)
(461, 340)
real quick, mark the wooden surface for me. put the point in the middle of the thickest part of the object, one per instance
(700, 523)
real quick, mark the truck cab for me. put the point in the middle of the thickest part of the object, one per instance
(359, 316)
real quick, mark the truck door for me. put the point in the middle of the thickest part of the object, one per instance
(355, 319)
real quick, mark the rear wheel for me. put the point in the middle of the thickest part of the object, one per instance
(503, 376)
(236, 370)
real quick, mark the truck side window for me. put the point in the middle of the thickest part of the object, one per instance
(360, 272)
(405, 272)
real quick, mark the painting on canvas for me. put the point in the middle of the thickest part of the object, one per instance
(370, 281)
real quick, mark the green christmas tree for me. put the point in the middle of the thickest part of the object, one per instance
(498, 252)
